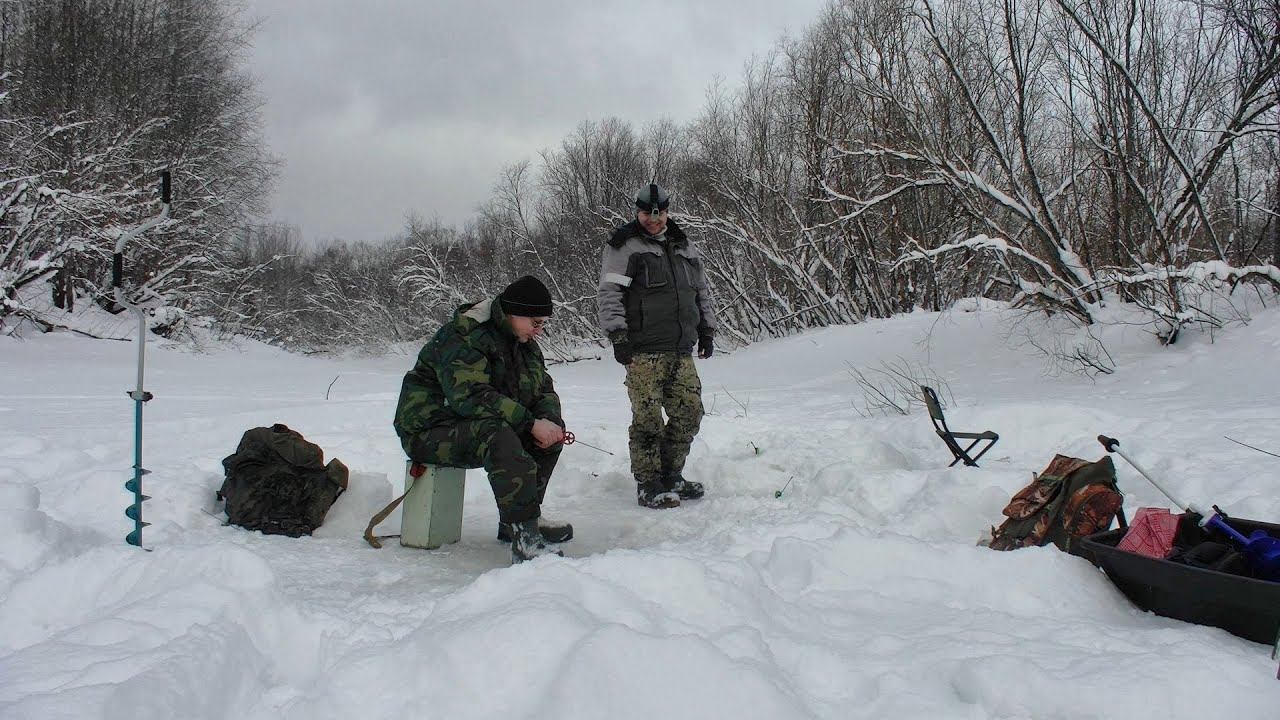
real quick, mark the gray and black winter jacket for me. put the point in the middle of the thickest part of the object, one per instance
(653, 290)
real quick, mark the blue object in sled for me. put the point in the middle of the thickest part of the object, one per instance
(1248, 607)
(1260, 549)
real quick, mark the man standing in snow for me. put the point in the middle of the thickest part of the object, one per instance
(480, 396)
(654, 304)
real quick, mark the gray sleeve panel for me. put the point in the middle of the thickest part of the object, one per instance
(610, 301)
(706, 307)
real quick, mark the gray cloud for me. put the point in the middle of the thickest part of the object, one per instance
(380, 109)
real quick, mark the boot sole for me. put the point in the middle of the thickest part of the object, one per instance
(516, 559)
(660, 504)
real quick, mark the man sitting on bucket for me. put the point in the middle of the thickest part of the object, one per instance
(480, 396)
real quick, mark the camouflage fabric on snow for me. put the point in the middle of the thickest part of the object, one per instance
(1069, 500)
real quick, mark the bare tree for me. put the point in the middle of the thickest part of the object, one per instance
(106, 94)
(1056, 154)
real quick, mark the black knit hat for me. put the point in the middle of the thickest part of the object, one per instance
(526, 297)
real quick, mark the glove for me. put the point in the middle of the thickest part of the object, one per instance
(621, 346)
(622, 352)
(705, 346)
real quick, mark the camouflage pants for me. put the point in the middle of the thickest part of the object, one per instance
(518, 469)
(657, 382)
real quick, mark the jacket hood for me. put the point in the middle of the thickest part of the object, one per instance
(469, 317)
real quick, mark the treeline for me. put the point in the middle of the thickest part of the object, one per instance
(1056, 154)
(96, 97)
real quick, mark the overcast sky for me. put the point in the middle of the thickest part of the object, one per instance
(382, 108)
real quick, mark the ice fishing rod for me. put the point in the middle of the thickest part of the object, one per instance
(570, 439)
(139, 395)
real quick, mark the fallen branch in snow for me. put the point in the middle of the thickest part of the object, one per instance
(1049, 290)
(1200, 272)
(46, 326)
(1176, 297)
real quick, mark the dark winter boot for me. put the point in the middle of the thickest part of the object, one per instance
(553, 531)
(527, 543)
(686, 489)
(654, 495)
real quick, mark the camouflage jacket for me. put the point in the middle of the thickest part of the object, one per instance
(476, 368)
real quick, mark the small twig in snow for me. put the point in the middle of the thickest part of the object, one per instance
(731, 397)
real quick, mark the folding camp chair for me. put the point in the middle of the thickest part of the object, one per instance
(950, 437)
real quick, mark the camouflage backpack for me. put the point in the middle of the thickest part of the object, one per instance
(277, 482)
(1070, 499)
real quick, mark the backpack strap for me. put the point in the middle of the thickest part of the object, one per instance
(376, 540)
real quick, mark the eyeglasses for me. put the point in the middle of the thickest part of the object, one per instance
(539, 323)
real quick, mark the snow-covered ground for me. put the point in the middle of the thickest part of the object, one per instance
(859, 593)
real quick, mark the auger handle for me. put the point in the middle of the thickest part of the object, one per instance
(1113, 445)
(117, 258)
